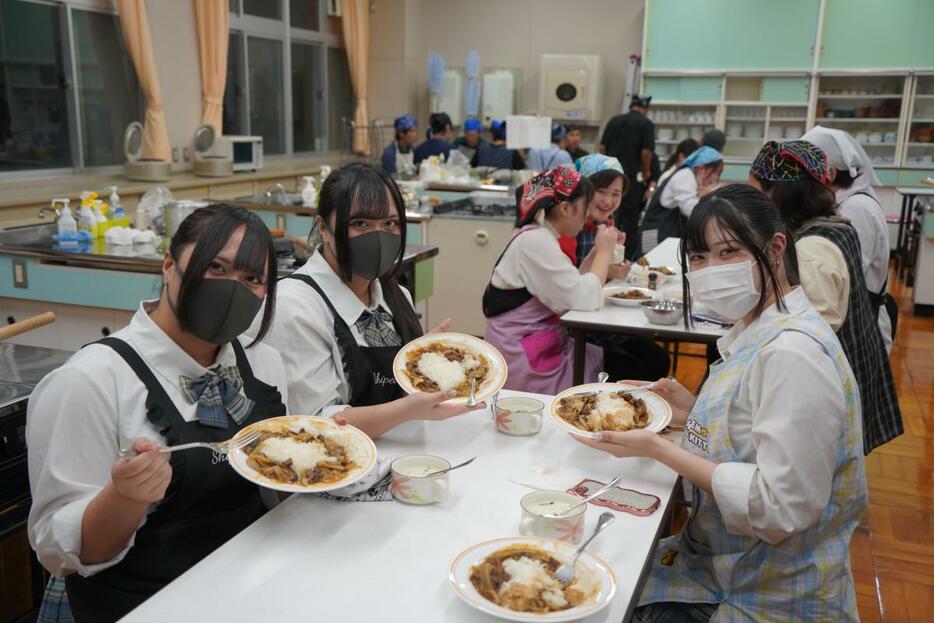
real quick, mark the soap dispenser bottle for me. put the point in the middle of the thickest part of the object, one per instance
(309, 193)
(67, 226)
(86, 219)
(116, 206)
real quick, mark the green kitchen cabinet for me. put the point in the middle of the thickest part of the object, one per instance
(683, 89)
(730, 34)
(869, 34)
(786, 89)
(768, 35)
(684, 35)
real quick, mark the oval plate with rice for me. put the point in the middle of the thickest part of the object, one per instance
(659, 411)
(451, 358)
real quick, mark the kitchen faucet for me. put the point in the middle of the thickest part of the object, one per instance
(45, 209)
(279, 188)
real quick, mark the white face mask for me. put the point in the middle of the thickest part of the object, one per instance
(728, 289)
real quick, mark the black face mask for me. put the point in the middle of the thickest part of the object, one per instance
(373, 254)
(219, 310)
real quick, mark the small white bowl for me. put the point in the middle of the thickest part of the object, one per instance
(410, 483)
(519, 416)
(542, 515)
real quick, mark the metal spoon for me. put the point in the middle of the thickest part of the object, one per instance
(472, 400)
(448, 469)
(599, 492)
(565, 573)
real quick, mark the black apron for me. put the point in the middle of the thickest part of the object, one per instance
(368, 368)
(498, 301)
(205, 505)
(667, 221)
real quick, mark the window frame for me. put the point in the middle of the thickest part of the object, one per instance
(72, 101)
(246, 26)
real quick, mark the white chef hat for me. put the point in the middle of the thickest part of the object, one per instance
(843, 151)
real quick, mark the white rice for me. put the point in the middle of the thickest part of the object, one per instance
(529, 572)
(611, 413)
(446, 374)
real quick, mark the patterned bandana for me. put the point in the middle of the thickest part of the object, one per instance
(555, 184)
(791, 161)
(377, 328)
(217, 393)
(594, 163)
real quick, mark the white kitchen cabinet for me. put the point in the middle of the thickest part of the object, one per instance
(15, 310)
(467, 250)
(79, 325)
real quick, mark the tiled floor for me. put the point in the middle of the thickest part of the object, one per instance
(893, 551)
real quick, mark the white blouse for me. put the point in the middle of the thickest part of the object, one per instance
(303, 333)
(681, 192)
(785, 425)
(80, 415)
(535, 261)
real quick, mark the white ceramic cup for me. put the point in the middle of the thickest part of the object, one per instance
(411, 485)
(518, 416)
(536, 520)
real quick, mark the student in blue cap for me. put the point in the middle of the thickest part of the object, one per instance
(438, 143)
(470, 142)
(495, 154)
(553, 156)
(399, 157)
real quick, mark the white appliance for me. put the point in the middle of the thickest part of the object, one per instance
(246, 152)
(498, 95)
(571, 87)
(452, 96)
(204, 164)
(139, 168)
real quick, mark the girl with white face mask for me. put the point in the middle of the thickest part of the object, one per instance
(772, 444)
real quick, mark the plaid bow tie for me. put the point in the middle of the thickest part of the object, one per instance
(377, 328)
(217, 393)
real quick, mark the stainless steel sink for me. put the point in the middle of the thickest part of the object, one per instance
(282, 199)
(29, 235)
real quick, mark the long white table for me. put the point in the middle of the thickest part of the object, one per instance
(312, 559)
(619, 320)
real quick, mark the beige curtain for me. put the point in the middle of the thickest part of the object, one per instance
(212, 21)
(356, 26)
(136, 34)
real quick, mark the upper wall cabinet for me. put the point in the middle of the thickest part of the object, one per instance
(730, 34)
(869, 34)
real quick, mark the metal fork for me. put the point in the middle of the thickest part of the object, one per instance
(222, 447)
(565, 573)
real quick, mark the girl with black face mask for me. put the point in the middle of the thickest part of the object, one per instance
(342, 317)
(121, 517)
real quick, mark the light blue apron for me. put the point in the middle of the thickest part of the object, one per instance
(804, 578)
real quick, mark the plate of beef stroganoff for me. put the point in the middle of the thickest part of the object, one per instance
(513, 578)
(589, 409)
(304, 454)
(450, 361)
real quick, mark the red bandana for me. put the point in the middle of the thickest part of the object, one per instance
(555, 184)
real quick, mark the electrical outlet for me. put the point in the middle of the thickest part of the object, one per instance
(175, 154)
(20, 275)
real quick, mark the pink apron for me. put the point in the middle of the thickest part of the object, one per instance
(538, 351)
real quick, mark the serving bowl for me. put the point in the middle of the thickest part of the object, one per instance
(663, 311)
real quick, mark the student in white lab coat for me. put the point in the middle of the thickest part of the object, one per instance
(342, 317)
(119, 528)
(853, 177)
(772, 444)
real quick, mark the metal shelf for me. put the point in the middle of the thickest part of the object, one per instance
(882, 96)
(858, 119)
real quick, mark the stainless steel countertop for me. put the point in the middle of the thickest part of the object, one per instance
(137, 258)
(22, 367)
